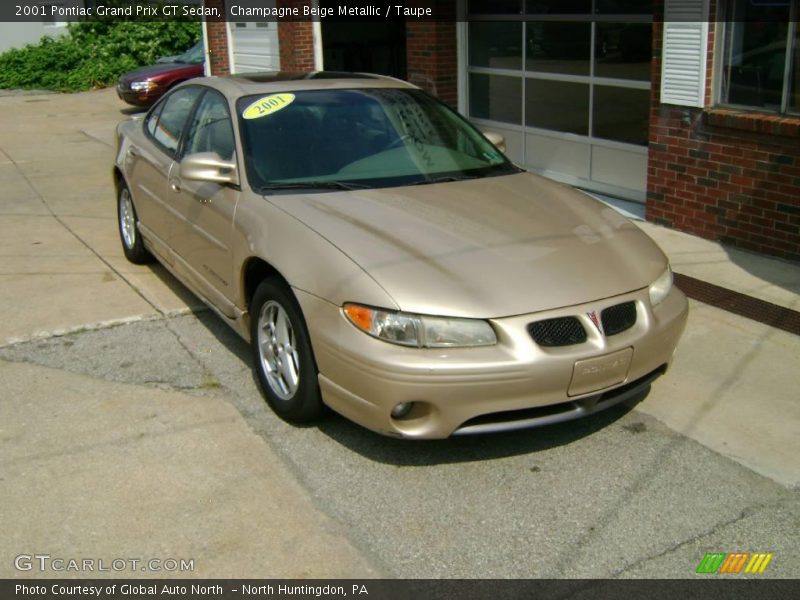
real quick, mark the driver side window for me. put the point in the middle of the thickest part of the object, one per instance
(173, 117)
(211, 129)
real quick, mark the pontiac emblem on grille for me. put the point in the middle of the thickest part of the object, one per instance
(593, 316)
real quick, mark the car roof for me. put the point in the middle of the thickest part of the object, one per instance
(243, 84)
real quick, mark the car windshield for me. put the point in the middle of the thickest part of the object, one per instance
(348, 139)
(193, 56)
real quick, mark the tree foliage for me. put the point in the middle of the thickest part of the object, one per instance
(93, 54)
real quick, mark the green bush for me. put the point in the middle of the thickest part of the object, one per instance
(93, 54)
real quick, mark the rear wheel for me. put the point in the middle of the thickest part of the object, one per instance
(282, 356)
(132, 244)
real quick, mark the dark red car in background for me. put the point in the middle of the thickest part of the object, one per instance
(143, 86)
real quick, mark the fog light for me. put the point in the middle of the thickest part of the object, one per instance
(402, 410)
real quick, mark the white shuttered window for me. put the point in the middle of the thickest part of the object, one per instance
(683, 59)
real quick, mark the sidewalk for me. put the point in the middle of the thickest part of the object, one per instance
(59, 250)
(734, 383)
(769, 279)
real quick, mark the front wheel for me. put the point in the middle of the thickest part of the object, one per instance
(132, 243)
(282, 356)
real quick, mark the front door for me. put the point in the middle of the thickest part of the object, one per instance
(203, 236)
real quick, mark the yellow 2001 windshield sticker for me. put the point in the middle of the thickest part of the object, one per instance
(267, 105)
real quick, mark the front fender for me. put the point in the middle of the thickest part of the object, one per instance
(305, 259)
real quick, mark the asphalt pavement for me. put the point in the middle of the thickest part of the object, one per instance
(131, 426)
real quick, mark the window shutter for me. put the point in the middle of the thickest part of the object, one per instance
(683, 59)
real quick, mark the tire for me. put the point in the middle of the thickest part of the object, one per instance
(128, 225)
(283, 360)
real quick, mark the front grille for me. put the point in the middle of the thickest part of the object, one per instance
(617, 319)
(564, 331)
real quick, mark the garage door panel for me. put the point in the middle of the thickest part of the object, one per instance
(254, 47)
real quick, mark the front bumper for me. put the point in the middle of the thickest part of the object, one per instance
(141, 99)
(511, 385)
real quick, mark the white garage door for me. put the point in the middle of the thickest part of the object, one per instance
(254, 47)
(570, 93)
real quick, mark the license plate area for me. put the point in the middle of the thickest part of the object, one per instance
(599, 372)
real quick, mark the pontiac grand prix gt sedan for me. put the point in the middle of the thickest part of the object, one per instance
(386, 260)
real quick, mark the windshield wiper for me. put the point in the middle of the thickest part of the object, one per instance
(312, 185)
(445, 179)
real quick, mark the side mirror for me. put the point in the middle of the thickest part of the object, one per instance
(208, 166)
(497, 139)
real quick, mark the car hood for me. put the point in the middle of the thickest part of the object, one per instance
(160, 70)
(485, 248)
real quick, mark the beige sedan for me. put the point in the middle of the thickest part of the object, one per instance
(386, 260)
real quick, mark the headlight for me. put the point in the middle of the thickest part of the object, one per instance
(661, 287)
(143, 86)
(419, 330)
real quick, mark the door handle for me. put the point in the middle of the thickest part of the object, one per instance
(175, 185)
(132, 153)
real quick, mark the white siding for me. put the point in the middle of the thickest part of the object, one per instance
(683, 60)
(18, 34)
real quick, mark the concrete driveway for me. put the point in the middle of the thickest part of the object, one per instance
(131, 427)
(101, 470)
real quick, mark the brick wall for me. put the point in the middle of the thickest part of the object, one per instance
(726, 175)
(218, 41)
(432, 62)
(296, 39)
